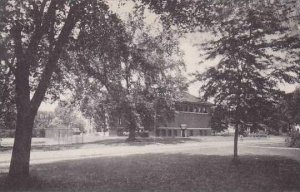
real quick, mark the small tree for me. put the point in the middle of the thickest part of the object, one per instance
(247, 70)
(95, 106)
(65, 111)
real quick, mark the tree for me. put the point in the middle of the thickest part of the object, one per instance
(132, 73)
(38, 33)
(248, 70)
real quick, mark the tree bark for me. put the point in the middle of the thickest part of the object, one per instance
(132, 124)
(19, 166)
(131, 136)
(235, 147)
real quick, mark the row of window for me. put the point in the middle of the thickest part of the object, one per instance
(201, 132)
(168, 132)
(191, 108)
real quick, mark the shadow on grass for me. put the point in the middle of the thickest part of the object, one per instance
(166, 172)
(114, 142)
(144, 141)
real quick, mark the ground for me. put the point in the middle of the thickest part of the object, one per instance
(164, 165)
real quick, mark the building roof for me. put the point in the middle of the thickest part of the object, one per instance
(188, 98)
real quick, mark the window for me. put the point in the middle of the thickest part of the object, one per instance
(195, 109)
(175, 132)
(186, 108)
(169, 132)
(157, 133)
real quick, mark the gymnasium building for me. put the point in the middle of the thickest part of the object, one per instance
(192, 118)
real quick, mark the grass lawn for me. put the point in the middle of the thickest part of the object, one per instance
(166, 172)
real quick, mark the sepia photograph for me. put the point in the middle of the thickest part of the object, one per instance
(150, 95)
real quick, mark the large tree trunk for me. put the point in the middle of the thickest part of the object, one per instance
(235, 147)
(132, 123)
(19, 166)
(131, 136)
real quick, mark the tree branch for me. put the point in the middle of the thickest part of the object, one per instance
(41, 27)
(10, 65)
(54, 56)
(43, 6)
(16, 33)
(22, 68)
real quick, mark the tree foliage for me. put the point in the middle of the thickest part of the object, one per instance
(132, 73)
(220, 118)
(7, 93)
(65, 112)
(66, 115)
(7, 102)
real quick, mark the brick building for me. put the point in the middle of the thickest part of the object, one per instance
(192, 118)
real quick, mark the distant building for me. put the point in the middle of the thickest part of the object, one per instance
(192, 118)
